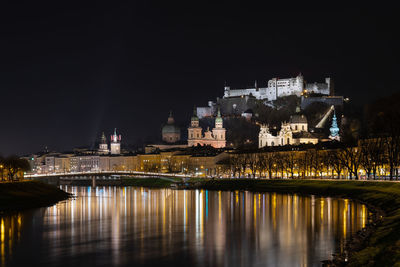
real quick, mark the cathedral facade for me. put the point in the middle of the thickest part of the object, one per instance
(215, 138)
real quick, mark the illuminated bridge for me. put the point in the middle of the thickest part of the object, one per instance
(93, 177)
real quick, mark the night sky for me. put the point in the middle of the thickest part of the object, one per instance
(69, 72)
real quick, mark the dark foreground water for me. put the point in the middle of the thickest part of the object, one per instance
(117, 226)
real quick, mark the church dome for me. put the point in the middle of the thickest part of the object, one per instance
(194, 116)
(170, 126)
(218, 119)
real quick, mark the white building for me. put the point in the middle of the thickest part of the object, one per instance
(293, 133)
(115, 143)
(280, 87)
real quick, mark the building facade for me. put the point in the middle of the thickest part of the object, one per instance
(293, 133)
(215, 138)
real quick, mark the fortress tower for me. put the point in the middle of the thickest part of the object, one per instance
(115, 143)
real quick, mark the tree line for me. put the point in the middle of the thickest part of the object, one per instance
(377, 157)
(12, 168)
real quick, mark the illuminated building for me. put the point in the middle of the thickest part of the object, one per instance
(277, 88)
(334, 129)
(115, 143)
(293, 133)
(216, 138)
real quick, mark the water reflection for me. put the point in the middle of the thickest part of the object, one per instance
(124, 226)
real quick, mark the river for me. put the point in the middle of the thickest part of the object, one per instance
(133, 226)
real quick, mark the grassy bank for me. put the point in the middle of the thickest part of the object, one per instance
(149, 182)
(381, 247)
(28, 194)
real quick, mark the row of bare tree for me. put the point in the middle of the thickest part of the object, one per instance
(11, 168)
(371, 155)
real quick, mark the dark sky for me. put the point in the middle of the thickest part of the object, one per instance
(69, 72)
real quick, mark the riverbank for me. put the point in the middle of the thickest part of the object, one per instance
(149, 182)
(379, 244)
(28, 194)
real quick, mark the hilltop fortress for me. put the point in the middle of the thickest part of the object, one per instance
(238, 101)
(282, 87)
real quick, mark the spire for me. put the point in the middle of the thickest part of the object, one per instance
(194, 117)
(334, 128)
(115, 138)
(170, 118)
(103, 138)
(218, 120)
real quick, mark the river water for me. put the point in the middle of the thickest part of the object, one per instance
(132, 226)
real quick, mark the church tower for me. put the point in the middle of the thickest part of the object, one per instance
(219, 131)
(334, 129)
(115, 143)
(103, 146)
(194, 131)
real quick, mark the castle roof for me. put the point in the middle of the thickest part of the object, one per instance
(248, 111)
(298, 119)
(303, 135)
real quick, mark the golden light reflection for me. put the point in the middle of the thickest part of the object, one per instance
(2, 249)
(345, 210)
(274, 209)
(363, 216)
(255, 211)
(261, 228)
(10, 228)
(322, 209)
(219, 206)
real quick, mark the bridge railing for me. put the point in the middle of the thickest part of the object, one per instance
(177, 175)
